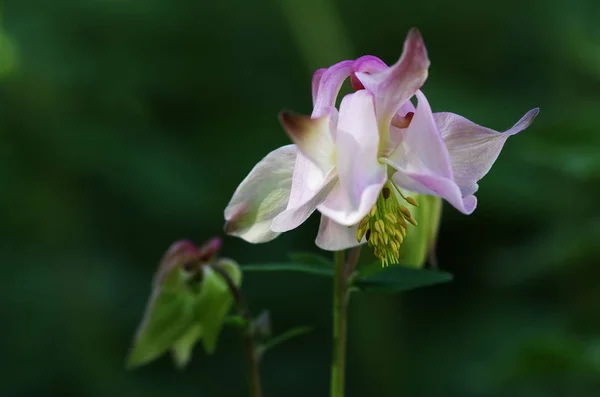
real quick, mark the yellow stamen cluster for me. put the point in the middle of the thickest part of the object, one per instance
(385, 226)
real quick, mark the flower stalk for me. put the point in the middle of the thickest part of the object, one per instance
(250, 353)
(339, 326)
(341, 297)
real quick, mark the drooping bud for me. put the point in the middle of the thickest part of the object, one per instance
(189, 302)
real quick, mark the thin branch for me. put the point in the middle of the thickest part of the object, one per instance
(251, 355)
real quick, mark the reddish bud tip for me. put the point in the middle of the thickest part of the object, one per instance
(209, 249)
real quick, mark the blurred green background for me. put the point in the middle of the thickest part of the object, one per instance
(127, 124)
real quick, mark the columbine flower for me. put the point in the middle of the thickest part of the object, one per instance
(357, 167)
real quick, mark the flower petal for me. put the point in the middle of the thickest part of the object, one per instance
(436, 185)
(261, 196)
(368, 64)
(293, 217)
(307, 180)
(365, 64)
(422, 160)
(421, 149)
(335, 237)
(312, 136)
(316, 79)
(361, 175)
(393, 86)
(329, 86)
(474, 149)
(400, 122)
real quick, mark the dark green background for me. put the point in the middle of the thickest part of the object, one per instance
(127, 124)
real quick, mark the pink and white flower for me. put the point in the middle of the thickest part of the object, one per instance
(356, 166)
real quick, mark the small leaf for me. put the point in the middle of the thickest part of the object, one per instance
(236, 321)
(287, 335)
(290, 267)
(309, 258)
(396, 278)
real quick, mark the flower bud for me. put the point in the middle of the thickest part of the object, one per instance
(188, 303)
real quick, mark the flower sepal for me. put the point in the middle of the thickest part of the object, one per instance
(419, 244)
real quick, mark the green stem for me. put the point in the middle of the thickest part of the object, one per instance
(339, 327)
(343, 270)
(250, 353)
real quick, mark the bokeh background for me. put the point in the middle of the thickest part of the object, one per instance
(127, 124)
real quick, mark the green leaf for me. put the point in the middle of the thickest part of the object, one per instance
(396, 278)
(290, 267)
(236, 321)
(309, 258)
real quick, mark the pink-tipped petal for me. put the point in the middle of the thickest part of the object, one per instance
(261, 196)
(312, 136)
(474, 149)
(335, 237)
(329, 86)
(436, 185)
(316, 79)
(393, 86)
(361, 175)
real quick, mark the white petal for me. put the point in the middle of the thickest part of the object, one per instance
(338, 207)
(261, 196)
(474, 149)
(293, 217)
(335, 237)
(361, 175)
(307, 180)
(421, 149)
